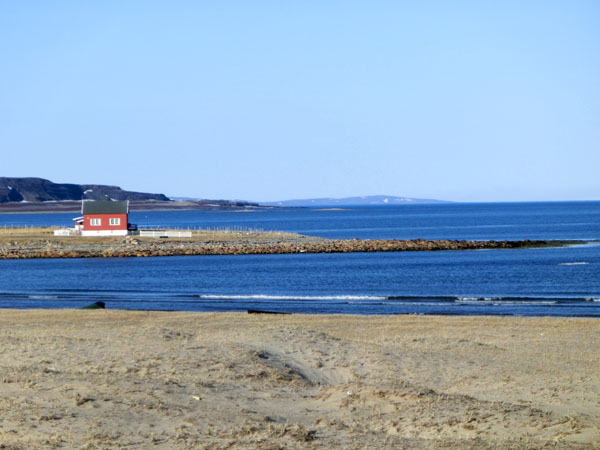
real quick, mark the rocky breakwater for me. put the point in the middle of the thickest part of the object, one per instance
(240, 244)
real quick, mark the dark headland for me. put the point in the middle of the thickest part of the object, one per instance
(38, 195)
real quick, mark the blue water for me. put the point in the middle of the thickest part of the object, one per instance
(528, 282)
(477, 221)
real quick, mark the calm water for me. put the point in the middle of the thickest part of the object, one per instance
(478, 221)
(560, 281)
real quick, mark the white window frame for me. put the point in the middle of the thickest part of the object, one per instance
(95, 222)
(115, 221)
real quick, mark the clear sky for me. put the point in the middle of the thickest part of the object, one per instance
(272, 100)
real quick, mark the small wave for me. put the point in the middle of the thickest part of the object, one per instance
(12, 295)
(422, 298)
(549, 300)
(579, 263)
(467, 300)
(593, 300)
(478, 299)
(394, 300)
(43, 297)
(291, 297)
(504, 302)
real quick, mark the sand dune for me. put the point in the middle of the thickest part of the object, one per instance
(113, 379)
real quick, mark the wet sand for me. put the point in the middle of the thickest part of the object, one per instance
(118, 379)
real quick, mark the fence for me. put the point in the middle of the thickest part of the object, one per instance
(149, 230)
(64, 232)
(163, 233)
(221, 228)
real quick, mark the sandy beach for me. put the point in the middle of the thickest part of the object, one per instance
(118, 379)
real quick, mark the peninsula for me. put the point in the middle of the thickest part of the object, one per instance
(20, 243)
(368, 200)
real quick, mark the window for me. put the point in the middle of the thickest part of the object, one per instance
(95, 222)
(115, 221)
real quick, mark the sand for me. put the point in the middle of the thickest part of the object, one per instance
(117, 379)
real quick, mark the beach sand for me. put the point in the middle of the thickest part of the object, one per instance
(118, 379)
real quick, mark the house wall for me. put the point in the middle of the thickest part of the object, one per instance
(105, 228)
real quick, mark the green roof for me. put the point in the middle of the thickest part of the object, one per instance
(105, 207)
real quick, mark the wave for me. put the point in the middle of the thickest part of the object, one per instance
(578, 263)
(516, 300)
(505, 301)
(290, 297)
(488, 300)
(397, 299)
(130, 296)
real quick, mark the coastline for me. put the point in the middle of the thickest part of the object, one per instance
(179, 380)
(31, 243)
(74, 206)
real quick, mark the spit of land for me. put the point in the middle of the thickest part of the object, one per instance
(16, 243)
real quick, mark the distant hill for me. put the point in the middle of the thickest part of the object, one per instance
(366, 200)
(41, 190)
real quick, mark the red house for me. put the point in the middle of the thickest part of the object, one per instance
(103, 218)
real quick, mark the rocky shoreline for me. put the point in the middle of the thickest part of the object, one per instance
(44, 245)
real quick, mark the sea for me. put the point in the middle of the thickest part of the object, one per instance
(563, 282)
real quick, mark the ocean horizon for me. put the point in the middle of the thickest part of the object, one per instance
(524, 282)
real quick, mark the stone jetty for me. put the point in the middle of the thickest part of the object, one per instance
(40, 243)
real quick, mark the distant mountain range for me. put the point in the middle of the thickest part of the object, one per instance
(41, 190)
(15, 191)
(347, 201)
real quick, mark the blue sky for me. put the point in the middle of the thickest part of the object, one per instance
(269, 100)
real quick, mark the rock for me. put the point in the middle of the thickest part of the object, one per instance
(97, 305)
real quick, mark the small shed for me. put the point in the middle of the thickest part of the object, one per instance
(104, 218)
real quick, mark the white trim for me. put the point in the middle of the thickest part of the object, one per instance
(95, 222)
(114, 221)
